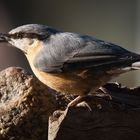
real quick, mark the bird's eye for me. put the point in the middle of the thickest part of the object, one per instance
(19, 35)
(31, 42)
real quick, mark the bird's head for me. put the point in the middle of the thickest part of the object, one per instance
(24, 37)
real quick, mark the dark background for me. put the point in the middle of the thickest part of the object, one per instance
(116, 21)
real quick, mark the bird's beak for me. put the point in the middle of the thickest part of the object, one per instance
(4, 37)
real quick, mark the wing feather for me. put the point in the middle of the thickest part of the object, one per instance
(70, 51)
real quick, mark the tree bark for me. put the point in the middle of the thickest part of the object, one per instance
(31, 111)
(25, 106)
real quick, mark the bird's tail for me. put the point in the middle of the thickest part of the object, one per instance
(136, 65)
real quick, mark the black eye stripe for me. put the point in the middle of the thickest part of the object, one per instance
(21, 35)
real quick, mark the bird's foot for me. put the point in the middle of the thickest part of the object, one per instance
(85, 104)
(77, 101)
(105, 93)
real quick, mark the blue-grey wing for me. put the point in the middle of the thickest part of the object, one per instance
(69, 51)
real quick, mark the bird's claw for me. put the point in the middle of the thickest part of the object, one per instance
(105, 92)
(77, 102)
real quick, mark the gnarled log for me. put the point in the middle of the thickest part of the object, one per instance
(26, 105)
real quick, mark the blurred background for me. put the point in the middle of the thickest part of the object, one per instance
(117, 21)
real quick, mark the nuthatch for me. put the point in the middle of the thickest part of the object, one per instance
(70, 63)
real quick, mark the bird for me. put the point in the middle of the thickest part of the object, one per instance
(68, 62)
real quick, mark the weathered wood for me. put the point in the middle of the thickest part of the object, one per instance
(116, 119)
(26, 105)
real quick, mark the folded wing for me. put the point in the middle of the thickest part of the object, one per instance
(69, 52)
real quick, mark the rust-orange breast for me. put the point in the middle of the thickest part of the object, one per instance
(68, 83)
